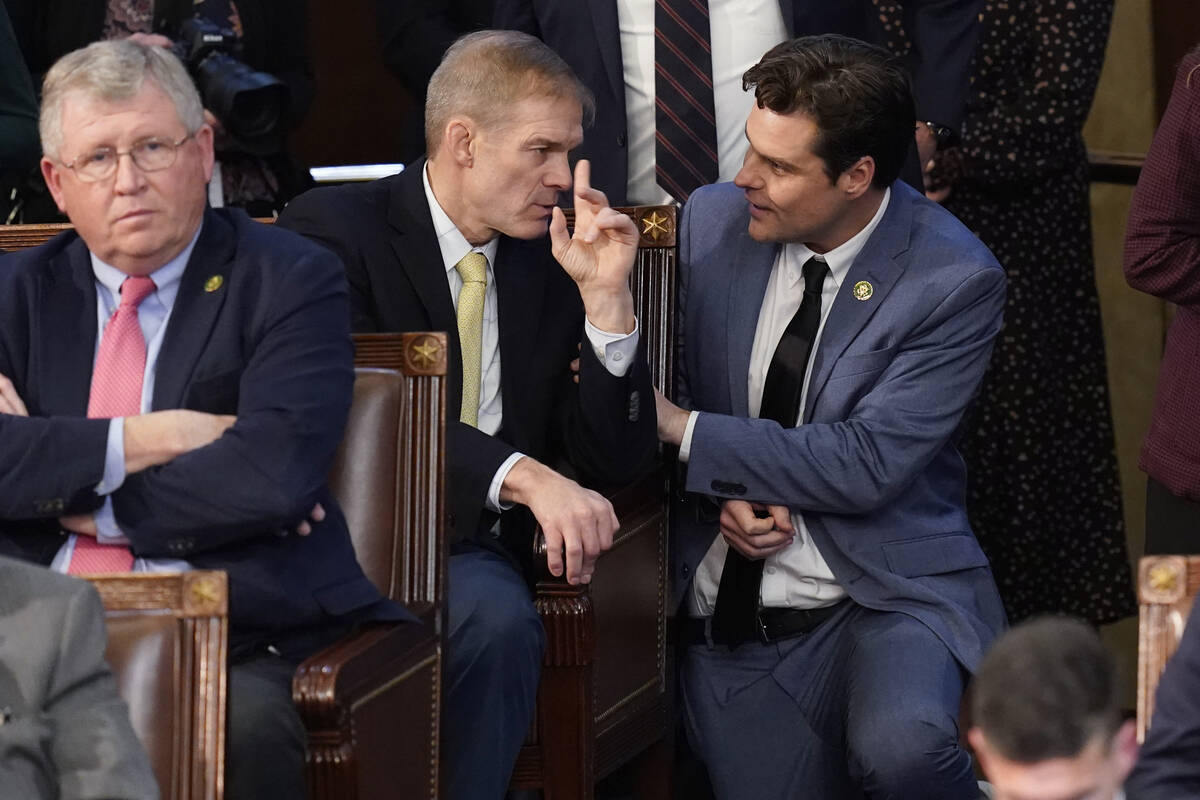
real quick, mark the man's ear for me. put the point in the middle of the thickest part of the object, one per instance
(204, 140)
(856, 180)
(1125, 748)
(458, 140)
(51, 173)
(979, 745)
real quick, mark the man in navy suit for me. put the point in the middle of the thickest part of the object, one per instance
(502, 113)
(610, 44)
(236, 374)
(834, 325)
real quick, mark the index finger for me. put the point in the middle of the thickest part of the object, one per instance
(10, 398)
(583, 185)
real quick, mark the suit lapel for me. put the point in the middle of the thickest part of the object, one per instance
(195, 311)
(419, 259)
(880, 263)
(748, 279)
(68, 325)
(608, 37)
(520, 287)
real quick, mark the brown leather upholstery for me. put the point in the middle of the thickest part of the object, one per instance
(167, 636)
(371, 702)
(604, 697)
(1167, 587)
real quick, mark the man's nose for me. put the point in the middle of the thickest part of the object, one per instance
(559, 176)
(128, 177)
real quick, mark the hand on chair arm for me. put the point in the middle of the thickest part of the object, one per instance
(576, 521)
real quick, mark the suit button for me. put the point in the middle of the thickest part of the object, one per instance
(620, 140)
(686, 570)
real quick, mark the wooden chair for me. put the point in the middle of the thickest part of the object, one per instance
(167, 640)
(1167, 587)
(371, 702)
(604, 697)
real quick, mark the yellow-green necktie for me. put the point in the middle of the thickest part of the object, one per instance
(473, 269)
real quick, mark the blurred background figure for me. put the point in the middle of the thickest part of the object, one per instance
(413, 35)
(1162, 258)
(662, 130)
(19, 146)
(1044, 494)
(256, 171)
(1046, 718)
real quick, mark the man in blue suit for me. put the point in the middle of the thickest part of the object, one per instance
(834, 325)
(174, 381)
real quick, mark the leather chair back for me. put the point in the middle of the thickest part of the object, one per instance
(167, 640)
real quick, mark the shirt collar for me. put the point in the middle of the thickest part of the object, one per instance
(166, 278)
(840, 258)
(450, 239)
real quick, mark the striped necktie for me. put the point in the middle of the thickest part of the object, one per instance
(685, 125)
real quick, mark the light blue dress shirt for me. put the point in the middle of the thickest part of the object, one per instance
(153, 314)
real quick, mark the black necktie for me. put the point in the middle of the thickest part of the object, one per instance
(735, 617)
(685, 127)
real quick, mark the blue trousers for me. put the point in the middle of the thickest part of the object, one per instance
(493, 663)
(865, 706)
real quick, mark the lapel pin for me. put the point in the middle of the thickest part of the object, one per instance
(863, 290)
(215, 282)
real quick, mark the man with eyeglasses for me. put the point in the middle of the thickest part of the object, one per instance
(174, 381)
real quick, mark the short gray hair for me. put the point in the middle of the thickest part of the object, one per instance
(115, 70)
(484, 73)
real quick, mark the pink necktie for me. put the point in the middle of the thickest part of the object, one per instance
(116, 392)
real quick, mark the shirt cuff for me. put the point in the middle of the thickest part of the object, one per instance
(493, 498)
(615, 351)
(107, 529)
(114, 458)
(685, 446)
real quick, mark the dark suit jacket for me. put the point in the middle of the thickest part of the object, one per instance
(1162, 258)
(873, 469)
(585, 34)
(268, 342)
(64, 732)
(1168, 766)
(604, 428)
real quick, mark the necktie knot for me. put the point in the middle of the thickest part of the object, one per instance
(472, 268)
(136, 289)
(815, 271)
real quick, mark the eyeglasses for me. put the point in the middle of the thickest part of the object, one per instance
(151, 154)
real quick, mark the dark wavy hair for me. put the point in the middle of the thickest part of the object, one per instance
(859, 96)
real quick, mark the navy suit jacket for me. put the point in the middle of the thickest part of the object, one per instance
(873, 469)
(259, 329)
(586, 35)
(1168, 766)
(601, 430)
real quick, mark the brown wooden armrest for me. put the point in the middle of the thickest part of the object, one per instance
(358, 699)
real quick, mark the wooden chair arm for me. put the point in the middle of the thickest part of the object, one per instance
(370, 705)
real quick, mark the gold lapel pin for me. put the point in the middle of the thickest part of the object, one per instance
(863, 290)
(216, 281)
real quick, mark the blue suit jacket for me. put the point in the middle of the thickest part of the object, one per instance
(270, 344)
(873, 468)
(587, 36)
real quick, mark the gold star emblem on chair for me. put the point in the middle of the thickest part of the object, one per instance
(656, 226)
(425, 352)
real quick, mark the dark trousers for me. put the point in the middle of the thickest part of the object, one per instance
(1172, 522)
(864, 706)
(494, 651)
(266, 740)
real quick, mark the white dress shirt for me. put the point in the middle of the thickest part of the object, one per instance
(615, 350)
(797, 576)
(153, 315)
(740, 32)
